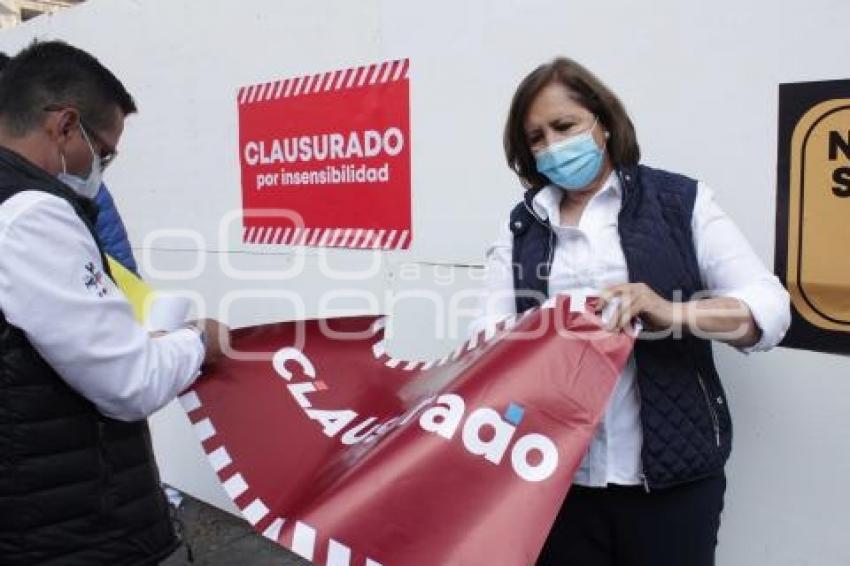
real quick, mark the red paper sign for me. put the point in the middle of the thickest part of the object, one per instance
(325, 159)
(348, 456)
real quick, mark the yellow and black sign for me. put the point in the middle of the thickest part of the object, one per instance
(813, 212)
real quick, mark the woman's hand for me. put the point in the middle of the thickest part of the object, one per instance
(718, 318)
(637, 299)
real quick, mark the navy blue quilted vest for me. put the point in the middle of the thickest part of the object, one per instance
(76, 487)
(687, 429)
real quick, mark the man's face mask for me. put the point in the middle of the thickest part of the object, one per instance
(89, 186)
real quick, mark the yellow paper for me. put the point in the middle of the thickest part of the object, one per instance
(138, 293)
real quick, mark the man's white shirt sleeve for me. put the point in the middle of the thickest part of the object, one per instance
(52, 287)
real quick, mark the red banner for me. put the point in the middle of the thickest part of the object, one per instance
(348, 456)
(325, 159)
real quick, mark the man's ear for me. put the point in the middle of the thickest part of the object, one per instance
(61, 125)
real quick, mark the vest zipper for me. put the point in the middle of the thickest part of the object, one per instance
(640, 411)
(714, 419)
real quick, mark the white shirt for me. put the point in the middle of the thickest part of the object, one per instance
(589, 258)
(52, 287)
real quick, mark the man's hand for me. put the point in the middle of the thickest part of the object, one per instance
(215, 336)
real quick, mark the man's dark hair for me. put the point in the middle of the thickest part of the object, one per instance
(3, 60)
(586, 89)
(53, 74)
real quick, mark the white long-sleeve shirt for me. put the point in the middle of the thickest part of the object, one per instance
(589, 258)
(53, 287)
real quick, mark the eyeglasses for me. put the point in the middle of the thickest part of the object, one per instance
(107, 153)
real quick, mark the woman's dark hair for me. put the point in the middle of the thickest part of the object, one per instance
(585, 89)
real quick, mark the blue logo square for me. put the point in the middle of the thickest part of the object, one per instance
(514, 414)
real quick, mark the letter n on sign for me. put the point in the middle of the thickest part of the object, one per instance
(325, 159)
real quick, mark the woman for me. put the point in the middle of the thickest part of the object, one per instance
(594, 221)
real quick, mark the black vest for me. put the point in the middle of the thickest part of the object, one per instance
(76, 487)
(687, 429)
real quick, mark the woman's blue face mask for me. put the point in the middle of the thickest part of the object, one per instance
(572, 163)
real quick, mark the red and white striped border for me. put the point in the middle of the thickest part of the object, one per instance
(253, 509)
(344, 79)
(355, 238)
(491, 333)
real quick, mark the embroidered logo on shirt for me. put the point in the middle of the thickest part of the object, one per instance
(94, 280)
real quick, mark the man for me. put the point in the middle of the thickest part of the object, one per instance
(78, 376)
(109, 226)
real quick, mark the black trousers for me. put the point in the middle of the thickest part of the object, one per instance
(626, 526)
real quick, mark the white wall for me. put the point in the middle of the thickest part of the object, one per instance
(700, 80)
